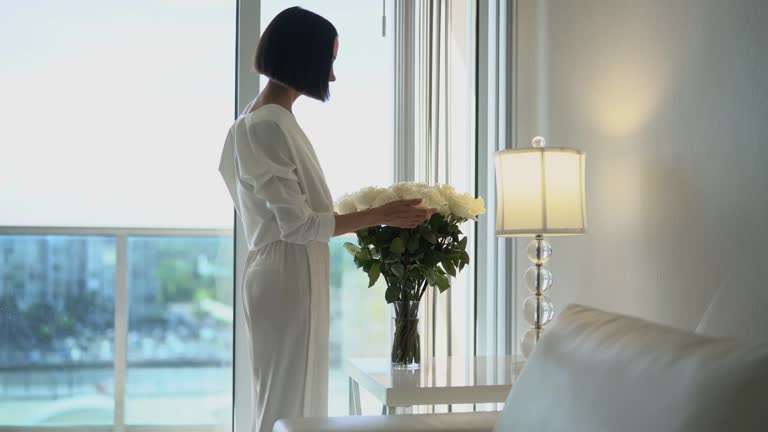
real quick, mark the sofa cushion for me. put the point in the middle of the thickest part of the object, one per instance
(595, 371)
(457, 422)
(738, 308)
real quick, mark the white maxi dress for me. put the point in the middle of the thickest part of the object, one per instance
(280, 193)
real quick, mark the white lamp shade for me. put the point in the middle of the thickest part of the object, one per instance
(540, 191)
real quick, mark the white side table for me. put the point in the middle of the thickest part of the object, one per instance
(439, 381)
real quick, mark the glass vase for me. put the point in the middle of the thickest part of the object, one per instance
(406, 342)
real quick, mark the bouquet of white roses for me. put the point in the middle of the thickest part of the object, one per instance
(412, 259)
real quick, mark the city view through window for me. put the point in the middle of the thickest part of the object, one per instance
(57, 302)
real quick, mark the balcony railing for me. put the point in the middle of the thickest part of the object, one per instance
(120, 359)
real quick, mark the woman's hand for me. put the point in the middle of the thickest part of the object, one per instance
(403, 213)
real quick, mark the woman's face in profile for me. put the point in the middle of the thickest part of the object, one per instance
(332, 78)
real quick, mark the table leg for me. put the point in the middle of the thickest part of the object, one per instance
(354, 398)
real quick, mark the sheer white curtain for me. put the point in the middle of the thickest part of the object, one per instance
(445, 150)
(496, 276)
(435, 120)
(497, 298)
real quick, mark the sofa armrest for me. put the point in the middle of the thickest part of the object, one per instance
(453, 422)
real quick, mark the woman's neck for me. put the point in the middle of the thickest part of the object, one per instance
(277, 93)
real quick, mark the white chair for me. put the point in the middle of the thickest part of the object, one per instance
(596, 371)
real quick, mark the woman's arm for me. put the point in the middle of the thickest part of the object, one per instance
(400, 213)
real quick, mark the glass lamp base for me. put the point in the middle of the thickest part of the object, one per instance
(538, 310)
(529, 341)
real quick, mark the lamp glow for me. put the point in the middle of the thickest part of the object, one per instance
(540, 191)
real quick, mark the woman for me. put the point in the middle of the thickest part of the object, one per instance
(280, 193)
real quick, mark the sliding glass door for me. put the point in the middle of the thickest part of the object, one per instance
(115, 230)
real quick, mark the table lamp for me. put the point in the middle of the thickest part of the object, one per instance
(539, 191)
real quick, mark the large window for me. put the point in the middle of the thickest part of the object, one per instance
(115, 229)
(116, 300)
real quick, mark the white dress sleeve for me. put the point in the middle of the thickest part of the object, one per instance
(264, 163)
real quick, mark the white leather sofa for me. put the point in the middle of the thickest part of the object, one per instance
(596, 371)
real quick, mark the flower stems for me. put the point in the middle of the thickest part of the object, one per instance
(406, 345)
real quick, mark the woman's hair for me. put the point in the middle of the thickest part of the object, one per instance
(296, 49)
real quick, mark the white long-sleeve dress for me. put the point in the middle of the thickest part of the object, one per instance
(280, 193)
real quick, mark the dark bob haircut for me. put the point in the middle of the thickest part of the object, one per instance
(296, 49)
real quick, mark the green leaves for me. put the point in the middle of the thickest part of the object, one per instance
(430, 237)
(438, 278)
(436, 222)
(463, 260)
(405, 235)
(397, 246)
(449, 267)
(431, 259)
(463, 243)
(362, 257)
(385, 234)
(443, 283)
(392, 294)
(413, 244)
(352, 248)
(432, 252)
(373, 274)
(366, 235)
(398, 270)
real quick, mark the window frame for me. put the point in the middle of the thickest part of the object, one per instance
(247, 85)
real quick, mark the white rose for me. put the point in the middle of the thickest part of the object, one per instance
(384, 197)
(365, 197)
(477, 208)
(444, 198)
(346, 204)
(430, 195)
(460, 205)
(432, 198)
(466, 206)
(450, 194)
(408, 190)
(446, 190)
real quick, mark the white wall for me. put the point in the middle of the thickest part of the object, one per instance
(670, 101)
